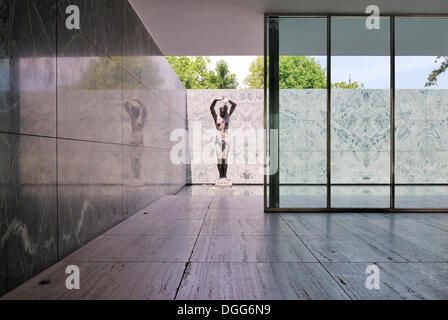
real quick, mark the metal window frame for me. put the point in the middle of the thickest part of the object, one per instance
(274, 92)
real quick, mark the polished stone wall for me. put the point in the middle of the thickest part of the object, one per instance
(85, 123)
(303, 144)
(421, 135)
(360, 136)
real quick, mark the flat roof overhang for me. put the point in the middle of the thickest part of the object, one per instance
(235, 27)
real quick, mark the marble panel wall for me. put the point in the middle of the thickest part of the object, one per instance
(28, 190)
(28, 206)
(421, 136)
(303, 136)
(246, 154)
(28, 67)
(360, 135)
(85, 120)
(360, 132)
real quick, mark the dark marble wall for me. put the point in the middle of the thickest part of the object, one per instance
(85, 123)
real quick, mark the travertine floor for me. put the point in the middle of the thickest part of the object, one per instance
(200, 244)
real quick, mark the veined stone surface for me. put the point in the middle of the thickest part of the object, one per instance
(74, 161)
(360, 136)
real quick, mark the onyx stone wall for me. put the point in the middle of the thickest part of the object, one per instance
(85, 123)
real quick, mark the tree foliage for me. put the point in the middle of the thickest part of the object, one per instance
(434, 75)
(221, 78)
(345, 85)
(255, 79)
(194, 73)
(301, 73)
(295, 72)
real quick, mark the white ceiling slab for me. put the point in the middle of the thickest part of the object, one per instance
(235, 27)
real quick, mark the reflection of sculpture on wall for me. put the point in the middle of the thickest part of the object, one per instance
(137, 111)
(222, 145)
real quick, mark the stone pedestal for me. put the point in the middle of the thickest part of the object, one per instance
(223, 183)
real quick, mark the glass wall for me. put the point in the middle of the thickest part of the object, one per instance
(302, 112)
(421, 123)
(360, 113)
(359, 116)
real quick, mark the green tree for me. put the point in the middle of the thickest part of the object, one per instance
(255, 79)
(301, 73)
(298, 72)
(192, 71)
(221, 78)
(434, 75)
(345, 85)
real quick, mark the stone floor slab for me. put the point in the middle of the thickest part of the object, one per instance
(243, 281)
(270, 225)
(250, 249)
(130, 248)
(398, 281)
(104, 281)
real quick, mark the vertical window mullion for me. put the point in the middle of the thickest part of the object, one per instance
(329, 112)
(392, 112)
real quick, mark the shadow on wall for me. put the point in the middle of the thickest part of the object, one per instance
(79, 146)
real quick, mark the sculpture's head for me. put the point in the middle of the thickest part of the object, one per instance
(223, 109)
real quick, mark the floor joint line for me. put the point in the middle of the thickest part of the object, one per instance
(318, 261)
(187, 264)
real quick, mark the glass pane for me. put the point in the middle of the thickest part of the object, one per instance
(421, 112)
(303, 109)
(360, 196)
(360, 110)
(303, 196)
(410, 196)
